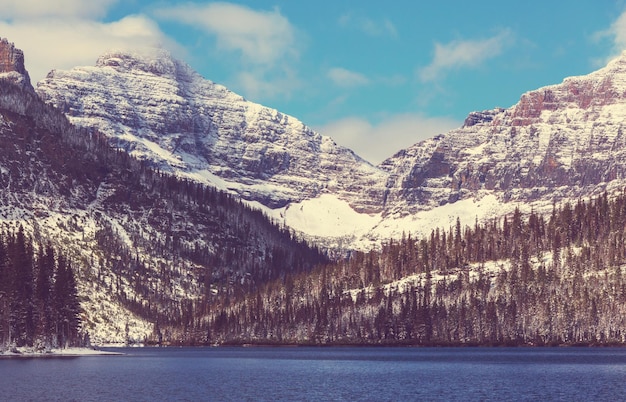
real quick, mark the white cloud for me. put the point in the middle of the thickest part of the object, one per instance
(16, 9)
(257, 83)
(346, 78)
(376, 142)
(265, 43)
(463, 53)
(62, 43)
(617, 34)
(369, 26)
(262, 37)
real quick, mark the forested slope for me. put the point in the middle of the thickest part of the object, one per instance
(517, 280)
(146, 247)
(39, 305)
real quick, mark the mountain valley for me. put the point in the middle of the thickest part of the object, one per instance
(193, 216)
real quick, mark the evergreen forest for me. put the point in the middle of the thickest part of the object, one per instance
(520, 280)
(39, 305)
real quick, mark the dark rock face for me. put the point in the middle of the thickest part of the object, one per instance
(481, 117)
(12, 65)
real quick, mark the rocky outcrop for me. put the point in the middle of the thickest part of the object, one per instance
(12, 65)
(481, 117)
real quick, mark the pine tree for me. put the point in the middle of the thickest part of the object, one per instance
(43, 295)
(21, 289)
(66, 305)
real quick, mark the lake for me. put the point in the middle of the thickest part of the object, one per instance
(321, 374)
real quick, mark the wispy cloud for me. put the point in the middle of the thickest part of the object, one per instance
(263, 83)
(65, 41)
(261, 37)
(463, 53)
(17, 9)
(617, 34)
(264, 42)
(382, 27)
(346, 78)
(376, 142)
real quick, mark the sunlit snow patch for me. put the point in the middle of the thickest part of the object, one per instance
(444, 217)
(325, 215)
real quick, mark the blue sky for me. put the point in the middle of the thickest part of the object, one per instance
(376, 76)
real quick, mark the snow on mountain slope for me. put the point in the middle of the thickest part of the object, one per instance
(159, 109)
(559, 142)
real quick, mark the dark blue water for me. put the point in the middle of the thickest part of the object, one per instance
(322, 374)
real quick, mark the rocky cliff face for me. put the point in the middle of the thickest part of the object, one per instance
(12, 65)
(559, 142)
(160, 110)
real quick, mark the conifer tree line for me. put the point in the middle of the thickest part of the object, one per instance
(39, 305)
(534, 280)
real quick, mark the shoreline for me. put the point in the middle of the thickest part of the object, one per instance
(28, 352)
(374, 345)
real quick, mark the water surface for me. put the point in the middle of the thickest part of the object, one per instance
(316, 374)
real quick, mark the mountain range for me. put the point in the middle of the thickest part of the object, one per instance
(559, 142)
(173, 195)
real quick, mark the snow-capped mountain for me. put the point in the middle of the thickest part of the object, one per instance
(159, 109)
(151, 249)
(559, 142)
(143, 245)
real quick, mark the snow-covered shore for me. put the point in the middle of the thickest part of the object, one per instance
(31, 352)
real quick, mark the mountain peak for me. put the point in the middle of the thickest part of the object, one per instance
(156, 61)
(12, 64)
(591, 92)
(162, 111)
